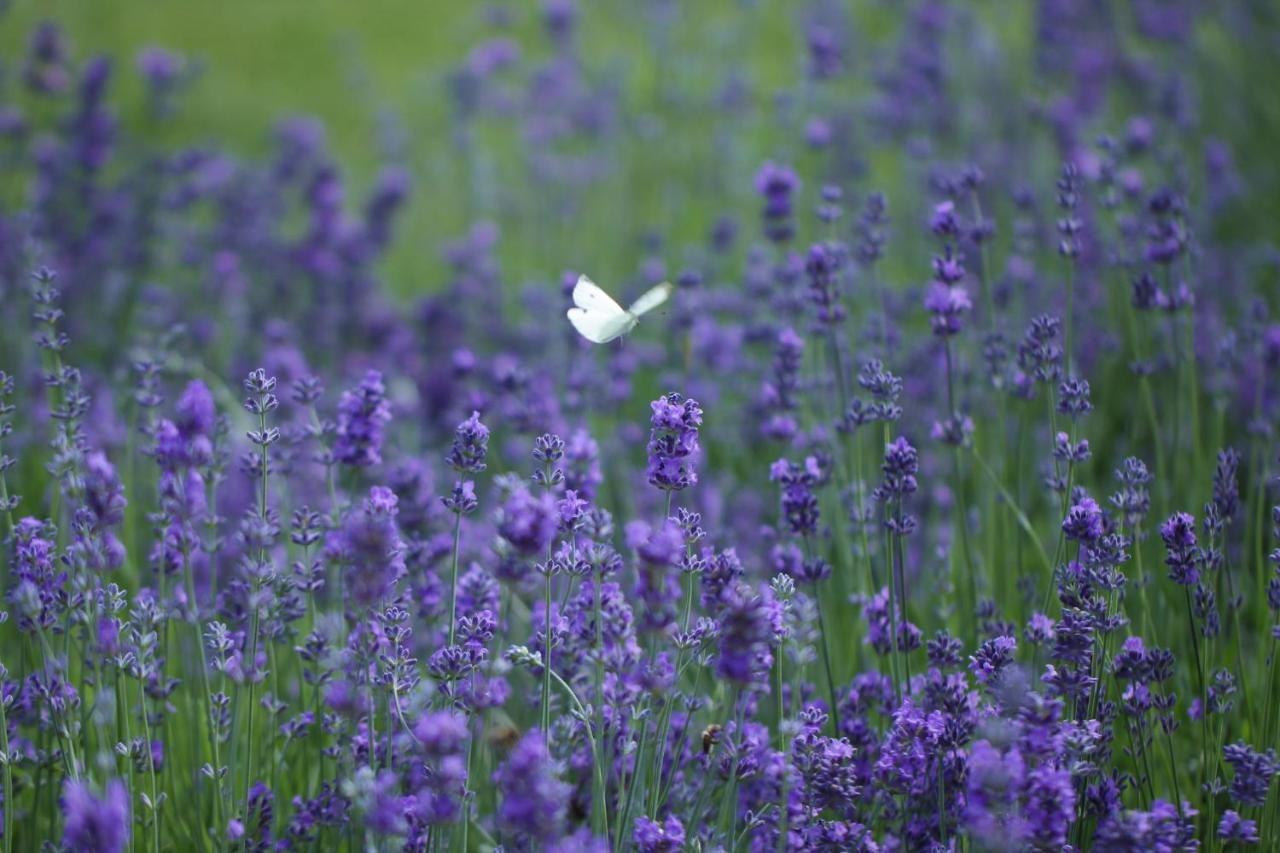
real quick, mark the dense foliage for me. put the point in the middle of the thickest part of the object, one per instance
(934, 513)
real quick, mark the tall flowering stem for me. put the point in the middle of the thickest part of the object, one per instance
(981, 232)
(7, 769)
(800, 514)
(885, 390)
(690, 567)
(1183, 558)
(1273, 604)
(7, 501)
(872, 228)
(1069, 228)
(948, 303)
(901, 464)
(307, 390)
(261, 402)
(825, 265)
(546, 656)
(548, 451)
(955, 432)
(186, 455)
(600, 804)
(53, 341)
(467, 456)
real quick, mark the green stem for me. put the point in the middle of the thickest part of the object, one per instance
(1204, 710)
(729, 808)
(151, 768)
(453, 577)
(1235, 624)
(1267, 735)
(546, 657)
(251, 673)
(205, 696)
(983, 284)
(591, 740)
(1071, 300)
(1142, 583)
(962, 509)
(826, 658)
(893, 618)
(599, 818)
(8, 778)
(61, 729)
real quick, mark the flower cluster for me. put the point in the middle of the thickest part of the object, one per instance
(673, 442)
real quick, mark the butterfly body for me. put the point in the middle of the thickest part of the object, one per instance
(600, 319)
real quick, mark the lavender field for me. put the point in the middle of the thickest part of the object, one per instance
(910, 482)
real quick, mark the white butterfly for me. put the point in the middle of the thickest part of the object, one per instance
(599, 319)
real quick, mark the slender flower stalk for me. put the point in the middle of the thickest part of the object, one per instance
(546, 654)
(7, 768)
(467, 456)
(261, 402)
(8, 502)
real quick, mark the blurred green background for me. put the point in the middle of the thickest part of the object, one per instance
(369, 70)
(377, 75)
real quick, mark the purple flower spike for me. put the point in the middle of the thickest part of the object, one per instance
(673, 442)
(777, 184)
(363, 412)
(653, 837)
(533, 800)
(95, 824)
(1182, 556)
(369, 547)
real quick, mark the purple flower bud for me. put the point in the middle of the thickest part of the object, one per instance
(673, 442)
(661, 547)
(94, 824)
(943, 222)
(946, 305)
(470, 446)
(1235, 829)
(749, 624)
(441, 733)
(195, 412)
(363, 412)
(104, 493)
(948, 268)
(826, 59)
(653, 837)
(1181, 554)
(532, 800)
(799, 503)
(777, 184)
(368, 546)
(1084, 521)
(991, 658)
(462, 500)
(529, 522)
(823, 265)
(900, 466)
(1253, 772)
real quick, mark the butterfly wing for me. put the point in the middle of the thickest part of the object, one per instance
(650, 299)
(588, 296)
(600, 327)
(596, 316)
